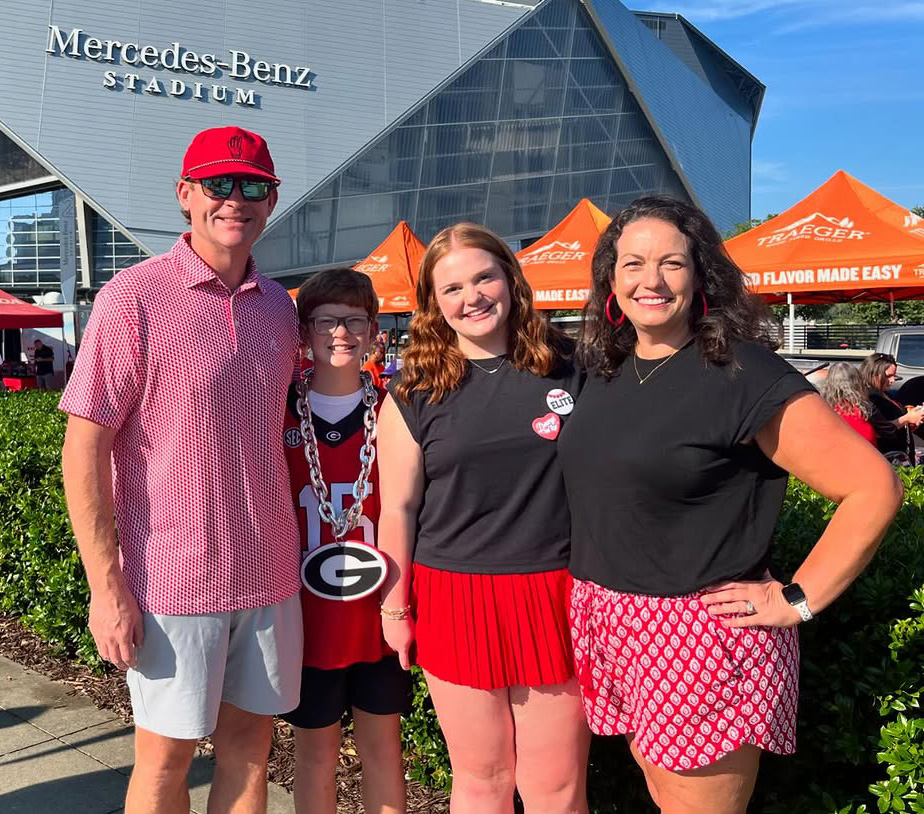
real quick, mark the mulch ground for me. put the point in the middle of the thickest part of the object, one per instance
(108, 691)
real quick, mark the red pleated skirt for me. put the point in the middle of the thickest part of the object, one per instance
(490, 631)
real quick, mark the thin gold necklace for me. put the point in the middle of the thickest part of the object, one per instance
(655, 369)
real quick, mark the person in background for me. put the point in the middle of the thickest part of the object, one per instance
(473, 502)
(44, 365)
(844, 391)
(197, 596)
(893, 423)
(676, 461)
(375, 364)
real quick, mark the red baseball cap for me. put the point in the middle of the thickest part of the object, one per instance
(228, 151)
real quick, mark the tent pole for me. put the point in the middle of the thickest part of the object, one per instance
(792, 323)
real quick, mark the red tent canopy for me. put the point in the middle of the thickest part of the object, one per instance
(14, 313)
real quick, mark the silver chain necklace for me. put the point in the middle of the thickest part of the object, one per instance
(484, 369)
(343, 522)
(655, 369)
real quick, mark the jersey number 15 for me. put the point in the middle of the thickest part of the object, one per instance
(339, 492)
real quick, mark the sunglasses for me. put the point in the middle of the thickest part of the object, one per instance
(327, 325)
(222, 187)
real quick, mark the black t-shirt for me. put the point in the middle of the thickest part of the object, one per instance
(666, 494)
(889, 438)
(494, 500)
(912, 391)
(44, 359)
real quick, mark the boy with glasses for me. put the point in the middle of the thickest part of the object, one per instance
(197, 597)
(348, 668)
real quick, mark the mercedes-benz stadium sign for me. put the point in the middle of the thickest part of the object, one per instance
(239, 65)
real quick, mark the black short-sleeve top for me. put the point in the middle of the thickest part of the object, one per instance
(668, 492)
(889, 438)
(494, 498)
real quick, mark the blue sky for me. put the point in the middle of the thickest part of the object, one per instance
(845, 90)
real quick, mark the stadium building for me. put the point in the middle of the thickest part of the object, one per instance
(430, 111)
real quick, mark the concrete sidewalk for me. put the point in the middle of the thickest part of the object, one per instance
(60, 754)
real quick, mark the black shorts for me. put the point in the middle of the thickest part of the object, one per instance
(379, 688)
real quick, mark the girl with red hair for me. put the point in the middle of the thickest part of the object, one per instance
(473, 504)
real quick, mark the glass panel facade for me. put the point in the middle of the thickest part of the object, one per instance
(110, 249)
(30, 242)
(544, 119)
(30, 239)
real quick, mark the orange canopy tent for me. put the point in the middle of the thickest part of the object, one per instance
(844, 242)
(557, 265)
(392, 267)
(15, 313)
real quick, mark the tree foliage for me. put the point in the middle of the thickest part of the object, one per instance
(746, 226)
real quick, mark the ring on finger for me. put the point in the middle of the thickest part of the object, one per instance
(750, 607)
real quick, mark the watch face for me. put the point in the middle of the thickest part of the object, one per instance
(793, 594)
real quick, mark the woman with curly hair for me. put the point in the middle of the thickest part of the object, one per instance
(844, 391)
(473, 504)
(676, 461)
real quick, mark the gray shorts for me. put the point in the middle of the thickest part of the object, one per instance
(189, 665)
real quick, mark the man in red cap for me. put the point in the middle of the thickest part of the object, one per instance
(176, 408)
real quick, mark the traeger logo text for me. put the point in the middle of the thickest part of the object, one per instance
(239, 65)
(914, 224)
(816, 226)
(377, 266)
(555, 252)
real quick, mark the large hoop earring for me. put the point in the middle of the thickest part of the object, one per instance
(609, 316)
(705, 304)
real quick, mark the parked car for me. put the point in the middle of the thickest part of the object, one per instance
(906, 344)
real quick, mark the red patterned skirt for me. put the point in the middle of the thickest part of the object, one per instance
(490, 631)
(690, 689)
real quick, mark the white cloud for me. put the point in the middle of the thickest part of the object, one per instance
(823, 14)
(768, 172)
(710, 10)
(795, 14)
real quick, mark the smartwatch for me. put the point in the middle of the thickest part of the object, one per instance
(795, 596)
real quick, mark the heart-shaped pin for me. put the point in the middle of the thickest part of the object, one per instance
(547, 426)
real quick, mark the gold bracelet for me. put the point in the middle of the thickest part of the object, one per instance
(396, 613)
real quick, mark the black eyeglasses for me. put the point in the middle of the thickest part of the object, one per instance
(222, 187)
(327, 325)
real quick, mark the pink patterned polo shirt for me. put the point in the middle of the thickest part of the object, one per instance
(194, 378)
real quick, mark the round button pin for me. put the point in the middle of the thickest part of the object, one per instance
(560, 401)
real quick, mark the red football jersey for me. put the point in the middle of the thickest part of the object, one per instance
(337, 633)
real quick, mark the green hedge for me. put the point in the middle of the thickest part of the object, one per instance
(861, 728)
(41, 579)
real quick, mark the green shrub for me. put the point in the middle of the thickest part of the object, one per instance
(862, 665)
(41, 579)
(422, 738)
(902, 739)
(861, 728)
